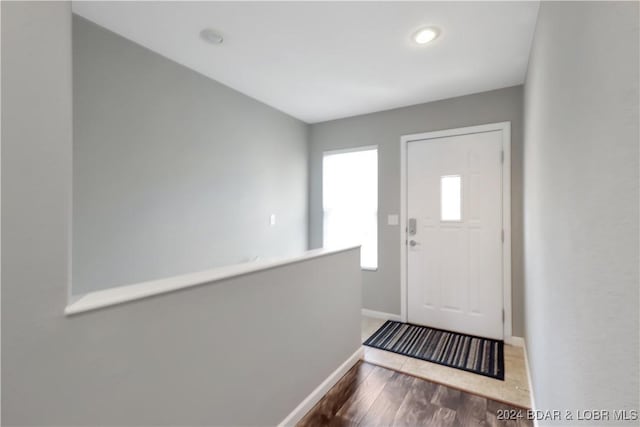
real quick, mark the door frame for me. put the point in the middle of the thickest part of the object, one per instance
(505, 128)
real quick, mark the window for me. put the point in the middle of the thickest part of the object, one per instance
(350, 202)
(450, 198)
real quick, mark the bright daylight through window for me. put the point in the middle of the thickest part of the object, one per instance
(350, 202)
(451, 198)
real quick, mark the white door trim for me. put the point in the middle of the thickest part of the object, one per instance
(505, 127)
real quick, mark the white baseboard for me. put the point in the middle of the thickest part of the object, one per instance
(515, 341)
(381, 315)
(309, 402)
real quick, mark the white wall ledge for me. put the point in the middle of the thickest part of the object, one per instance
(122, 294)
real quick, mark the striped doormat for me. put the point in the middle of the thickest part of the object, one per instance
(474, 354)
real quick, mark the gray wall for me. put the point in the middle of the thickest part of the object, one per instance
(185, 358)
(581, 187)
(381, 289)
(172, 171)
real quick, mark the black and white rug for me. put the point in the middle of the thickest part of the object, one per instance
(482, 356)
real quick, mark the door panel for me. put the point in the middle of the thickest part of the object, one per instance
(454, 270)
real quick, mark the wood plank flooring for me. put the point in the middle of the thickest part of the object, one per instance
(370, 395)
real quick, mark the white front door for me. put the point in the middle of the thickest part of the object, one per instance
(454, 223)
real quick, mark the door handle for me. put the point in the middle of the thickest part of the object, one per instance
(413, 243)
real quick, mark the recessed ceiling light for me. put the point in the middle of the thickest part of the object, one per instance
(426, 35)
(211, 36)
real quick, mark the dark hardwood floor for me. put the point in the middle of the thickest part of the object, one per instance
(369, 395)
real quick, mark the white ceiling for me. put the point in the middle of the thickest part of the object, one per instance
(319, 61)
